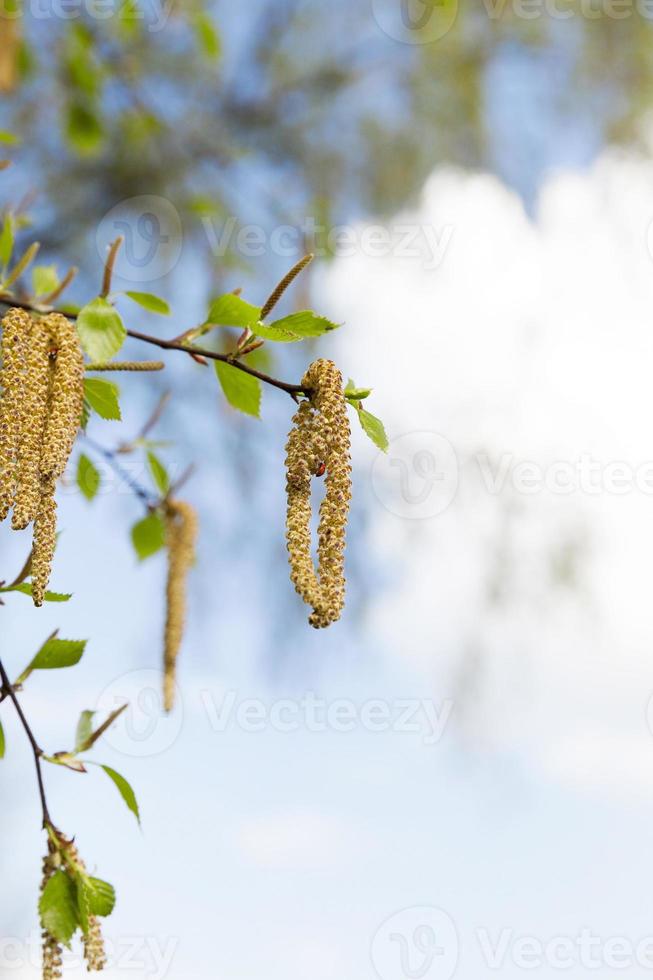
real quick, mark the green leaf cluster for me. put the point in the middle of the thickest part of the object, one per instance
(69, 898)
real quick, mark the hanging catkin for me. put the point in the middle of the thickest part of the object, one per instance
(181, 535)
(44, 542)
(66, 859)
(16, 330)
(35, 394)
(51, 948)
(42, 382)
(318, 441)
(66, 396)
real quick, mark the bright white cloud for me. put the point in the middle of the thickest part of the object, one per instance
(532, 342)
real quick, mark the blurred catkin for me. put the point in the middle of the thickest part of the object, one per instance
(320, 438)
(181, 535)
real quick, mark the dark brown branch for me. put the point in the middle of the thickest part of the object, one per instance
(214, 356)
(37, 752)
(290, 389)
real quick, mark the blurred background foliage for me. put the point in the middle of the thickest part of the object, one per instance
(277, 110)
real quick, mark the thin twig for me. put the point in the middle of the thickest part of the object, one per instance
(109, 455)
(37, 752)
(159, 409)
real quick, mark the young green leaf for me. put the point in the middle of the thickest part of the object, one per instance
(8, 138)
(7, 240)
(3, 744)
(356, 394)
(88, 477)
(159, 473)
(303, 324)
(58, 908)
(84, 730)
(26, 589)
(148, 536)
(373, 428)
(66, 759)
(278, 335)
(124, 789)
(208, 38)
(82, 902)
(83, 128)
(102, 396)
(232, 311)
(100, 896)
(55, 654)
(150, 302)
(101, 331)
(44, 279)
(241, 390)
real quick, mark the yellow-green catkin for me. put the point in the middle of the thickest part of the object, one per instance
(35, 402)
(44, 541)
(320, 437)
(92, 940)
(181, 536)
(52, 950)
(126, 366)
(66, 396)
(42, 382)
(16, 328)
(93, 945)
